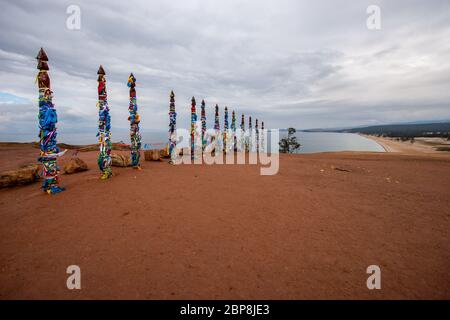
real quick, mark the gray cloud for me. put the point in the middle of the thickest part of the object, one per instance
(292, 63)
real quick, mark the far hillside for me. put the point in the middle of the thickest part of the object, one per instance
(405, 130)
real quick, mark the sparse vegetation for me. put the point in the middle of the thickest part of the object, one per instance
(289, 144)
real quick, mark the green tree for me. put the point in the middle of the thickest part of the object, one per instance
(289, 144)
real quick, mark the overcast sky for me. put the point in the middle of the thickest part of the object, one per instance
(303, 64)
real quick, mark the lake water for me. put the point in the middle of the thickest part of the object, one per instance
(311, 141)
(332, 141)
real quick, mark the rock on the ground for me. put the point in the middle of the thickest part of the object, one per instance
(152, 155)
(164, 153)
(25, 175)
(75, 165)
(120, 160)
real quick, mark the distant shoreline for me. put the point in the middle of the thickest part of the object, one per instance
(378, 141)
(386, 144)
(420, 145)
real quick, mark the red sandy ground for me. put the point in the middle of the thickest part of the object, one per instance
(225, 232)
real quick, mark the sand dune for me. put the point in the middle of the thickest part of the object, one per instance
(421, 145)
(226, 232)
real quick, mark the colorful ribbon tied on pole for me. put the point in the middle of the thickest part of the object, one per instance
(203, 119)
(250, 135)
(193, 127)
(217, 130)
(216, 119)
(243, 143)
(225, 131)
(47, 129)
(134, 119)
(257, 135)
(172, 125)
(233, 129)
(263, 134)
(104, 127)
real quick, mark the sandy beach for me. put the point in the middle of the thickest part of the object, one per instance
(226, 232)
(420, 145)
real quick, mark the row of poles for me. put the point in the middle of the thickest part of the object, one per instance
(172, 126)
(49, 151)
